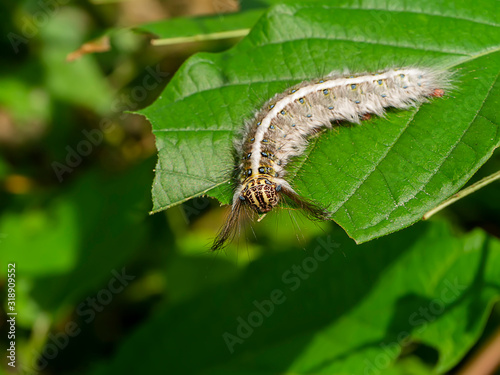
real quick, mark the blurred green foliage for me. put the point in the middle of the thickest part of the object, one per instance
(102, 287)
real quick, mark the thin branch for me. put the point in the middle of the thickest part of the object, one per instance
(202, 37)
(463, 193)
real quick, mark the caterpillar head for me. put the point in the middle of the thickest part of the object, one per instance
(260, 193)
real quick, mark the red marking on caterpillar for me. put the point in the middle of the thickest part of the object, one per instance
(279, 131)
(438, 93)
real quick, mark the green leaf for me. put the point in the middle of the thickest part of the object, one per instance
(352, 312)
(223, 25)
(375, 178)
(181, 30)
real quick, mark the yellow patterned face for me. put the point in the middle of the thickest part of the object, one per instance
(261, 193)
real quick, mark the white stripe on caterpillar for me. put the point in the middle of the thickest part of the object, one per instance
(279, 131)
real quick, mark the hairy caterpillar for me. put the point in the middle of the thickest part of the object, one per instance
(279, 131)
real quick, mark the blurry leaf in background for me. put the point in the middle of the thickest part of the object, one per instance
(23, 101)
(33, 91)
(345, 309)
(24, 111)
(409, 366)
(44, 239)
(196, 268)
(110, 212)
(222, 25)
(79, 82)
(182, 30)
(375, 178)
(4, 169)
(72, 246)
